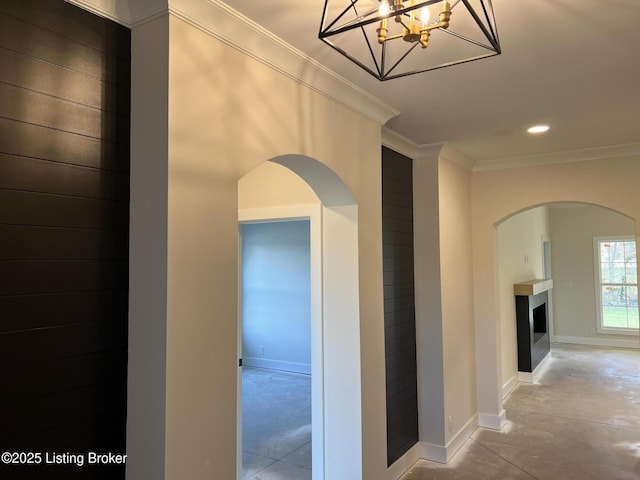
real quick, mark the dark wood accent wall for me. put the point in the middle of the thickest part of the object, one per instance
(399, 305)
(64, 227)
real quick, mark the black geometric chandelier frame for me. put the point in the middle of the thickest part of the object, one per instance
(396, 22)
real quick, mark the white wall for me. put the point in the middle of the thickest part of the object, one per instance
(457, 297)
(444, 306)
(520, 258)
(276, 295)
(573, 228)
(272, 185)
(428, 287)
(228, 113)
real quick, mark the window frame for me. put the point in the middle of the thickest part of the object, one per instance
(600, 328)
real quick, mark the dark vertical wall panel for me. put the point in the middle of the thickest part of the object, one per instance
(64, 216)
(399, 305)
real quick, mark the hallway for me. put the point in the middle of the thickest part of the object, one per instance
(579, 421)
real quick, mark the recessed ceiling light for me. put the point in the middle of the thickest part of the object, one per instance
(538, 129)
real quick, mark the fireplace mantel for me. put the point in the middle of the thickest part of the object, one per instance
(532, 287)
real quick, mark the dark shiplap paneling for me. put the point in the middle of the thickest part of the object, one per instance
(44, 143)
(43, 176)
(48, 276)
(68, 38)
(399, 305)
(25, 312)
(64, 216)
(42, 243)
(50, 111)
(50, 210)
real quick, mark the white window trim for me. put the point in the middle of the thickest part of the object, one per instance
(598, 284)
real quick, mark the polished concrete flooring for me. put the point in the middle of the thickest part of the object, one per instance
(276, 425)
(579, 421)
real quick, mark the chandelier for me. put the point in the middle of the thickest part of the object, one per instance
(389, 38)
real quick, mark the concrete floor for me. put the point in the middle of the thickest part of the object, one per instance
(276, 425)
(580, 420)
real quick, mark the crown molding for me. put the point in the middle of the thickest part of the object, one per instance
(399, 143)
(145, 17)
(442, 151)
(117, 11)
(446, 152)
(129, 13)
(597, 153)
(219, 20)
(455, 156)
(429, 150)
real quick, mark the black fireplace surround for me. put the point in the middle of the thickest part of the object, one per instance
(532, 317)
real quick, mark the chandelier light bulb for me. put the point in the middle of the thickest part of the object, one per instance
(424, 16)
(384, 7)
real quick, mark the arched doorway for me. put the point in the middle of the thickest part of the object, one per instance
(499, 195)
(295, 186)
(520, 242)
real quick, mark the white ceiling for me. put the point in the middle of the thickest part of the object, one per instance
(573, 64)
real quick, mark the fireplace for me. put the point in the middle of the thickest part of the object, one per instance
(532, 319)
(540, 321)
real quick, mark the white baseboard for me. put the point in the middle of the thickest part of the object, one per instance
(599, 342)
(509, 386)
(277, 365)
(404, 463)
(444, 454)
(530, 377)
(462, 436)
(433, 452)
(491, 420)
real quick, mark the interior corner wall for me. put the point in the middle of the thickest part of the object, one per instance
(573, 228)
(222, 123)
(496, 195)
(520, 259)
(456, 273)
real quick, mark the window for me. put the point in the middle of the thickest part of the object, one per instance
(616, 285)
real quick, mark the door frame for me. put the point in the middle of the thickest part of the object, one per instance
(546, 273)
(313, 213)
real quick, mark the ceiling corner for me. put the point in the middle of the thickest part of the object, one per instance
(398, 143)
(453, 155)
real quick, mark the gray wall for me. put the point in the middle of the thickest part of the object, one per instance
(572, 261)
(276, 295)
